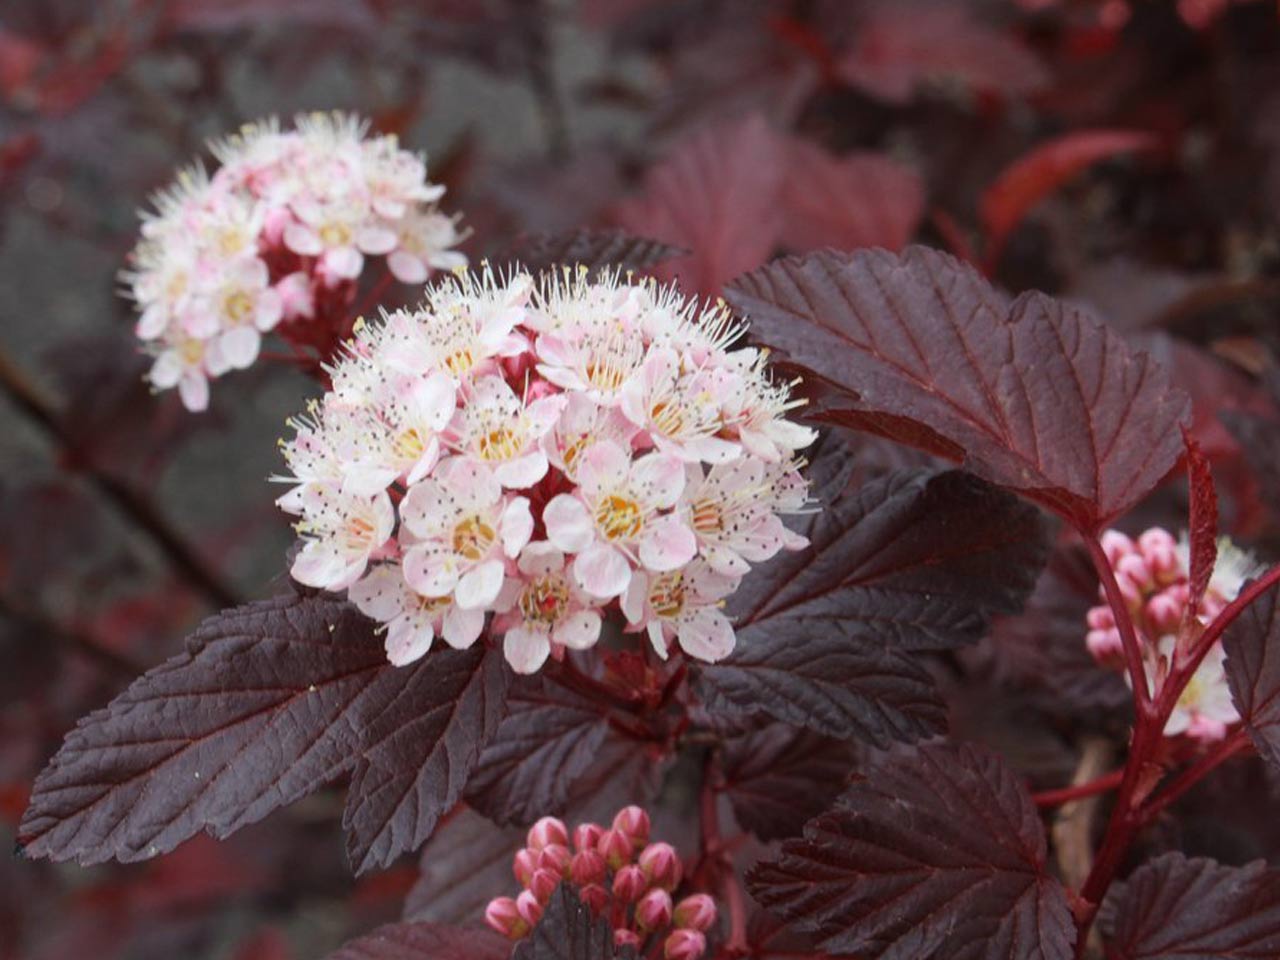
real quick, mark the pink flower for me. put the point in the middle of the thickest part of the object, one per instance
(182, 363)
(686, 605)
(546, 608)
(341, 533)
(464, 527)
(615, 519)
(496, 427)
(679, 409)
(424, 243)
(413, 621)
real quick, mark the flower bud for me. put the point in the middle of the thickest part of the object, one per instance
(555, 857)
(615, 847)
(586, 836)
(547, 831)
(661, 865)
(634, 822)
(587, 867)
(654, 911)
(544, 884)
(1134, 577)
(622, 937)
(1100, 618)
(523, 865)
(503, 916)
(629, 884)
(684, 945)
(1164, 612)
(1160, 550)
(594, 896)
(696, 912)
(1116, 545)
(528, 907)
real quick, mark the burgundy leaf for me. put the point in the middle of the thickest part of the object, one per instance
(465, 864)
(1252, 644)
(861, 199)
(1175, 908)
(547, 740)
(1260, 439)
(900, 44)
(1032, 177)
(937, 851)
(418, 752)
(567, 931)
(716, 194)
(1203, 528)
(270, 702)
(425, 941)
(595, 249)
(779, 777)
(1036, 395)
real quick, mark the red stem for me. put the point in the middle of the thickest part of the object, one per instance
(1221, 752)
(1054, 798)
(1229, 613)
(714, 853)
(1124, 623)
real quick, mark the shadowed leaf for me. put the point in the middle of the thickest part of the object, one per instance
(595, 249)
(568, 931)
(425, 941)
(1252, 644)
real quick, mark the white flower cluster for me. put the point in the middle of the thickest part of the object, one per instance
(540, 451)
(278, 234)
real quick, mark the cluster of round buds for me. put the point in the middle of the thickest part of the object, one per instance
(1153, 575)
(616, 872)
(545, 453)
(279, 234)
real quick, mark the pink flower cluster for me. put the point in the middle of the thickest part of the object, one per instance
(288, 219)
(616, 872)
(1152, 573)
(545, 452)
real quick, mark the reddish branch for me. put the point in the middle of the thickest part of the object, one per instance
(1055, 798)
(136, 506)
(1124, 623)
(715, 857)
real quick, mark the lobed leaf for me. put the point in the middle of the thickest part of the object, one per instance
(1034, 395)
(594, 249)
(937, 851)
(1252, 644)
(568, 931)
(425, 941)
(1194, 909)
(272, 701)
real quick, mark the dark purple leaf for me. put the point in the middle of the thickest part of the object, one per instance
(547, 740)
(1032, 395)
(595, 249)
(270, 702)
(779, 777)
(935, 851)
(1174, 908)
(1252, 644)
(465, 864)
(1260, 439)
(567, 931)
(425, 941)
(1203, 528)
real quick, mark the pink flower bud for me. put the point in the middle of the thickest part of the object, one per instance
(528, 907)
(586, 836)
(1100, 618)
(696, 912)
(547, 831)
(1105, 645)
(555, 857)
(544, 884)
(1116, 545)
(634, 822)
(654, 911)
(587, 867)
(594, 896)
(1134, 577)
(684, 945)
(503, 916)
(629, 884)
(1164, 612)
(622, 937)
(1160, 550)
(661, 865)
(523, 865)
(615, 847)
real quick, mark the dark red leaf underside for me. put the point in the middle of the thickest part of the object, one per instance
(426, 941)
(549, 737)
(272, 701)
(568, 931)
(1252, 644)
(937, 851)
(1203, 528)
(465, 864)
(1175, 908)
(595, 249)
(1034, 395)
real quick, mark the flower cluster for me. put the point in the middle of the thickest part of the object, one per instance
(277, 235)
(545, 452)
(616, 872)
(1152, 574)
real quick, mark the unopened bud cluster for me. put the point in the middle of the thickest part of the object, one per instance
(278, 233)
(1152, 573)
(619, 874)
(546, 452)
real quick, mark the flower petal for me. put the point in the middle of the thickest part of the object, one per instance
(568, 523)
(525, 649)
(602, 571)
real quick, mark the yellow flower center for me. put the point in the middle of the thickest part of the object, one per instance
(666, 595)
(192, 351)
(500, 443)
(460, 361)
(359, 533)
(667, 417)
(473, 538)
(619, 518)
(335, 235)
(707, 517)
(409, 444)
(545, 599)
(238, 306)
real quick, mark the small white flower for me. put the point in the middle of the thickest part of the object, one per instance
(685, 604)
(341, 533)
(546, 608)
(497, 428)
(412, 620)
